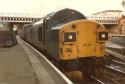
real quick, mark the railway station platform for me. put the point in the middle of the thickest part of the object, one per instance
(20, 64)
(15, 67)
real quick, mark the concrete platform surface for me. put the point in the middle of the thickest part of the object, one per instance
(15, 67)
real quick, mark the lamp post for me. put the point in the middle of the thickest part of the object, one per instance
(123, 18)
(123, 4)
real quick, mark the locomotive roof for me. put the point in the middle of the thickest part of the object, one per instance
(61, 17)
(67, 11)
(65, 16)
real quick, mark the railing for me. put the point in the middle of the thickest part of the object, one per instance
(17, 19)
(104, 20)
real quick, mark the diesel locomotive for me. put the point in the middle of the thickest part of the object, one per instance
(7, 36)
(70, 39)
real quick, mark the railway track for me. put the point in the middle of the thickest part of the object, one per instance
(114, 75)
(115, 68)
(97, 80)
(115, 64)
(118, 62)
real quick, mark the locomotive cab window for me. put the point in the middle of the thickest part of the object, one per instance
(69, 37)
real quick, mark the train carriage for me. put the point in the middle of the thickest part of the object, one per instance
(7, 36)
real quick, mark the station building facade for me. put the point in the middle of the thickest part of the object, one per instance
(116, 29)
(109, 13)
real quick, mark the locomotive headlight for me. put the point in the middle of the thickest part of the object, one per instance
(103, 35)
(69, 36)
